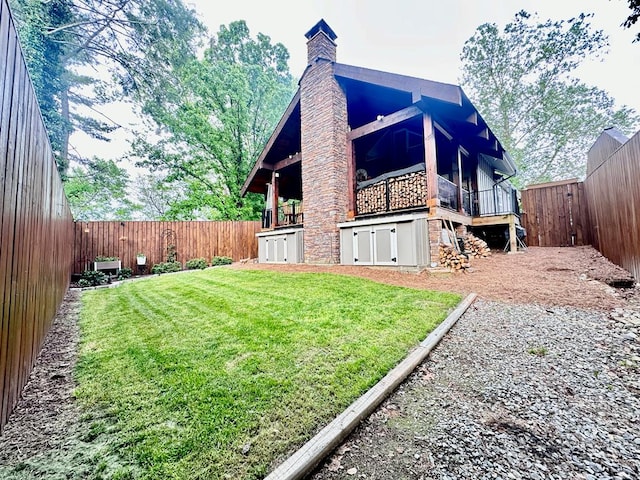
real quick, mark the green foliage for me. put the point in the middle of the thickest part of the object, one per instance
(94, 277)
(102, 258)
(217, 260)
(172, 255)
(189, 368)
(520, 79)
(98, 191)
(83, 283)
(136, 41)
(538, 351)
(166, 267)
(125, 273)
(196, 264)
(215, 121)
(44, 50)
(633, 17)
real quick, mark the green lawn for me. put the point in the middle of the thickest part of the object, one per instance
(180, 373)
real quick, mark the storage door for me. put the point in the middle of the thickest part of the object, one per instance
(281, 249)
(385, 241)
(363, 246)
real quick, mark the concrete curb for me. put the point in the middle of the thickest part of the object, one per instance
(315, 450)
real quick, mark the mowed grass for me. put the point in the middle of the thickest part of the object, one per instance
(220, 373)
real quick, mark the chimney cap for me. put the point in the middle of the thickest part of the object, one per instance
(321, 26)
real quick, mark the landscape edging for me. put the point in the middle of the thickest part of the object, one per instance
(322, 444)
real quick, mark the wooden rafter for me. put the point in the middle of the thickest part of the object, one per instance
(384, 122)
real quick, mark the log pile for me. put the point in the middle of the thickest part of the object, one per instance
(451, 258)
(407, 191)
(475, 246)
(372, 199)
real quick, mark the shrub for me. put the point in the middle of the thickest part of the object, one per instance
(196, 264)
(221, 261)
(166, 267)
(83, 283)
(124, 273)
(106, 259)
(94, 277)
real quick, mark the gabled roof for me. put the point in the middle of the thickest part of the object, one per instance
(387, 93)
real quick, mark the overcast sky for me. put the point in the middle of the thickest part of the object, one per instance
(421, 38)
(424, 38)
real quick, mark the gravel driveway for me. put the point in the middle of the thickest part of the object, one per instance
(513, 391)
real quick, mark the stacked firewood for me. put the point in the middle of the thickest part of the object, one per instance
(451, 258)
(476, 247)
(372, 199)
(407, 191)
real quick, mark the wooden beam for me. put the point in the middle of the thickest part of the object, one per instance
(430, 158)
(459, 182)
(473, 118)
(484, 133)
(292, 159)
(276, 195)
(513, 245)
(351, 180)
(384, 122)
(427, 88)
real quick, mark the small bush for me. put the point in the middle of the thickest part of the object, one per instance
(83, 283)
(221, 261)
(196, 264)
(124, 273)
(166, 267)
(94, 277)
(106, 259)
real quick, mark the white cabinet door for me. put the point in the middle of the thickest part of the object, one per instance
(363, 246)
(385, 245)
(281, 249)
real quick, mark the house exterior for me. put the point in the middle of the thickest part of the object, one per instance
(367, 167)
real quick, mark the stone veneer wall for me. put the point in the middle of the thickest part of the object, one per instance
(323, 108)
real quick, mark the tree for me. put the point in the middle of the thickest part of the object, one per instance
(98, 191)
(215, 120)
(521, 80)
(44, 54)
(136, 41)
(633, 17)
(158, 198)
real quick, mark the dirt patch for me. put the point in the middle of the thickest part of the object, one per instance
(46, 413)
(549, 276)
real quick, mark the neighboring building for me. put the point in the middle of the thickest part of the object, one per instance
(367, 168)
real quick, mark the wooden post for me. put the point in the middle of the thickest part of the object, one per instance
(351, 180)
(430, 160)
(513, 244)
(459, 182)
(276, 195)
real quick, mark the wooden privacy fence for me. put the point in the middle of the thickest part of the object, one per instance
(189, 239)
(555, 214)
(613, 192)
(36, 227)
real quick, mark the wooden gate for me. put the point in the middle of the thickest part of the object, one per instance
(555, 214)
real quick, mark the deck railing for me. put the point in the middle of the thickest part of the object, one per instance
(497, 201)
(288, 215)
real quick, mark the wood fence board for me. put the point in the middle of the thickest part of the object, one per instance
(556, 215)
(613, 193)
(193, 239)
(35, 221)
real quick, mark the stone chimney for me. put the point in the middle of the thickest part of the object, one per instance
(323, 112)
(321, 43)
